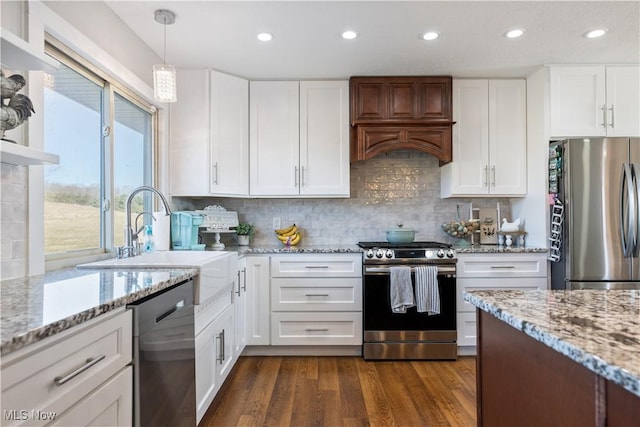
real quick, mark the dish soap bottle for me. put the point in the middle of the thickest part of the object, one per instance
(149, 244)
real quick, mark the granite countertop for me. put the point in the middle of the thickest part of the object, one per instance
(299, 249)
(36, 307)
(490, 249)
(597, 329)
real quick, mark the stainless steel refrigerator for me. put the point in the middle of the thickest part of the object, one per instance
(598, 184)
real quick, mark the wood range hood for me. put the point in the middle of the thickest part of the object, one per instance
(400, 112)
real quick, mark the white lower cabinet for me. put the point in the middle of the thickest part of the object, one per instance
(214, 329)
(525, 271)
(78, 377)
(258, 307)
(316, 299)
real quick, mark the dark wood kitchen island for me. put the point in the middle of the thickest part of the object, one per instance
(558, 358)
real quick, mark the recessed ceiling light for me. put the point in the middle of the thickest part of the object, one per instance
(431, 35)
(349, 35)
(515, 33)
(596, 33)
(265, 37)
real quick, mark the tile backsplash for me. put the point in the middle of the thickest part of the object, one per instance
(399, 187)
(13, 221)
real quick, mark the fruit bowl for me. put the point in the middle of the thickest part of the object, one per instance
(460, 228)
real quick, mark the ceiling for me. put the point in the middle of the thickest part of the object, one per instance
(307, 43)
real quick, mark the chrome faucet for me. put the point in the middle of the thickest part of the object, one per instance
(130, 237)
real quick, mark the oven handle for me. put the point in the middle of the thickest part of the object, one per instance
(442, 269)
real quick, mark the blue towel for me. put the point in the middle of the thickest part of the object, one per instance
(427, 293)
(400, 289)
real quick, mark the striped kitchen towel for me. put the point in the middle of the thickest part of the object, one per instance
(427, 294)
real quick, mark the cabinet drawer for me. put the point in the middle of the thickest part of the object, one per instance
(29, 376)
(525, 283)
(207, 312)
(110, 405)
(499, 265)
(322, 265)
(316, 328)
(316, 294)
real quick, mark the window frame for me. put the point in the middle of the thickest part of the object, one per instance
(111, 86)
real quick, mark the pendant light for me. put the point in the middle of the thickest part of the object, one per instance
(164, 76)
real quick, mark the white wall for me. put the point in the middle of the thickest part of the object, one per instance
(533, 208)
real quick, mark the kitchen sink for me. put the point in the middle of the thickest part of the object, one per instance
(158, 259)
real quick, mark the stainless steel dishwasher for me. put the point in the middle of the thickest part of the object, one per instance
(164, 358)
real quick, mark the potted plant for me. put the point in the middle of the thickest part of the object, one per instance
(244, 232)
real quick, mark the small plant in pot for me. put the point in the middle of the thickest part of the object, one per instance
(244, 232)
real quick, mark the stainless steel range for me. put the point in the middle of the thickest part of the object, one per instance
(410, 335)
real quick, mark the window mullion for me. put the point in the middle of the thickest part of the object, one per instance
(108, 209)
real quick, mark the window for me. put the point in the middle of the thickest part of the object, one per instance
(104, 137)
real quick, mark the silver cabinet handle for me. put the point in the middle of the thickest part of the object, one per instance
(244, 277)
(302, 176)
(215, 175)
(503, 266)
(220, 338)
(493, 175)
(486, 175)
(604, 116)
(612, 118)
(317, 330)
(295, 176)
(316, 295)
(316, 266)
(238, 291)
(89, 363)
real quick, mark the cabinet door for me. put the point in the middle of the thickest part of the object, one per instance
(229, 135)
(623, 101)
(258, 307)
(274, 138)
(324, 138)
(189, 161)
(577, 101)
(468, 173)
(240, 309)
(206, 380)
(507, 137)
(224, 349)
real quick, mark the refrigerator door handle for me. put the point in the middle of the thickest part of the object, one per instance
(627, 225)
(635, 219)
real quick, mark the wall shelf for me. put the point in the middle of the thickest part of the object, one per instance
(18, 54)
(20, 155)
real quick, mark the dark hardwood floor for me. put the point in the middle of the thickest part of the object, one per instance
(345, 391)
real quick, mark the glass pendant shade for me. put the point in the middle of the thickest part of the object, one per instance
(164, 83)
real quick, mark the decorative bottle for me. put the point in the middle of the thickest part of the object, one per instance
(149, 245)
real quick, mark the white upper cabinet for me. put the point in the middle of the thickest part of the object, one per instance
(489, 139)
(274, 142)
(299, 138)
(595, 101)
(229, 135)
(324, 138)
(209, 135)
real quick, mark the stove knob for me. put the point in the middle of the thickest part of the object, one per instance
(440, 253)
(451, 253)
(379, 253)
(369, 254)
(389, 253)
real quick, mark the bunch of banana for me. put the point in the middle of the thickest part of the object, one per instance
(290, 236)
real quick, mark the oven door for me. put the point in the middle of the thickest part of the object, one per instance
(409, 335)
